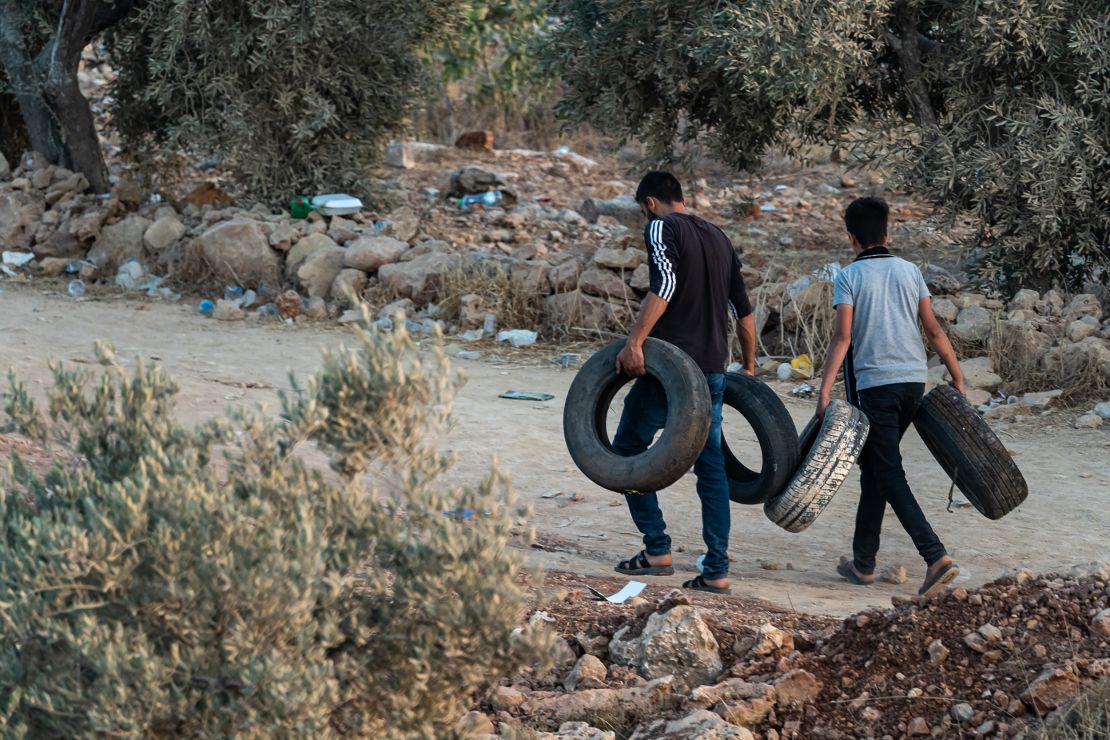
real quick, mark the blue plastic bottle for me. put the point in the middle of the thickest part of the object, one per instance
(486, 200)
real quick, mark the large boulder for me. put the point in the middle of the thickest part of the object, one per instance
(237, 252)
(61, 244)
(619, 259)
(403, 224)
(163, 233)
(580, 311)
(1024, 343)
(304, 248)
(945, 310)
(1052, 689)
(1090, 355)
(320, 270)
(623, 208)
(1084, 304)
(20, 215)
(418, 278)
(604, 283)
(119, 243)
(587, 671)
(1024, 299)
(979, 373)
(736, 700)
(564, 276)
(640, 279)
(673, 643)
(371, 252)
(472, 180)
(974, 324)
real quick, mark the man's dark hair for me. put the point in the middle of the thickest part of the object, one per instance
(866, 219)
(663, 186)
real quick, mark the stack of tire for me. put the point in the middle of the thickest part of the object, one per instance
(799, 474)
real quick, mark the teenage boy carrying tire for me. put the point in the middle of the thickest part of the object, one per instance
(880, 300)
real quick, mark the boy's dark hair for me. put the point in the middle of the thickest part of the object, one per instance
(866, 220)
(663, 186)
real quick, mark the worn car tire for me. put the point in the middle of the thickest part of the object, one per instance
(970, 453)
(774, 429)
(829, 451)
(677, 447)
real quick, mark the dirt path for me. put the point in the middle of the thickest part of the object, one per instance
(1063, 523)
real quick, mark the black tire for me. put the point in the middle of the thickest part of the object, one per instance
(970, 453)
(829, 451)
(676, 449)
(778, 440)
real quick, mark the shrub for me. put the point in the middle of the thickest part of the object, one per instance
(206, 582)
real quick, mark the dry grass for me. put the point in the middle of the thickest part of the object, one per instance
(1087, 719)
(510, 300)
(1021, 372)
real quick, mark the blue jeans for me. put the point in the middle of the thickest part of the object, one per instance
(645, 413)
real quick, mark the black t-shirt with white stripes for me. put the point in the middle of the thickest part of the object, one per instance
(696, 270)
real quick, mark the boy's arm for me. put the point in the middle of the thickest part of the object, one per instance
(662, 261)
(741, 307)
(938, 340)
(834, 358)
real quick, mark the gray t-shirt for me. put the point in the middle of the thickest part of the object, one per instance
(884, 292)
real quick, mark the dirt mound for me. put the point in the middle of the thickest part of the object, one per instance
(1003, 661)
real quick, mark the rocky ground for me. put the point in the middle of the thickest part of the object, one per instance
(1004, 661)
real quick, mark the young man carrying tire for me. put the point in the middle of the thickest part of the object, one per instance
(879, 301)
(695, 284)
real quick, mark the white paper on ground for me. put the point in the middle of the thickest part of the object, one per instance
(632, 588)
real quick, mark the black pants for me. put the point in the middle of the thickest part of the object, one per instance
(890, 409)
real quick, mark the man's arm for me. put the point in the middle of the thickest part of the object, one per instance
(741, 308)
(834, 358)
(630, 361)
(938, 340)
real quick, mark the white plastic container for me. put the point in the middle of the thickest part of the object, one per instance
(336, 204)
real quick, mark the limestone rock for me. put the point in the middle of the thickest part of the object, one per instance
(945, 310)
(918, 727)
(729, 691)
(371, 252)
(1051, 305)
(938, 653)
(641, 278)
(472, 180)
(505, 697)
(895, 574)
(770, 639)
(587, 667)
(60, 244)
(623, 208)
(348, 286)
(304, 248)
(320, 270)
(163, 233)
(619, 259)
(119, 243)
(577, 731)
(1100, 625)
(979, 373)
(798, 687)
(974, 324)
(676, 643)
(578, 310)
(699, 725)
(1079, 329)
(1089, 421)
(604, 284)
(532, 276)
(1084, 304)
(1052, 689)
(605, 707)
(564, 276)
(228, 311)
(5, 168)
(283, 235)
(1024, 299)
(419, 278)
(87, 226)
(342, 230)
(237, 252)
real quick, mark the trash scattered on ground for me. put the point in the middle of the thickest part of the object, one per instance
(460, 513)
(551, 494)
(566, 360)
(801, 367)
(486, 200)
(468, 355)
(517, 337)
(805, 390)
(76, 288)
(473, 335)
(526, 396)
(206, 307)
(18, 259)
(631, 589)
(336, 204)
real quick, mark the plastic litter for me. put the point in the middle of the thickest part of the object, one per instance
(526, 396)
(17, 259)
(468, 355)
(489, 324)
(487, 199)
(232, 292)
(76, 288)
(517, 337)
(796, 287)
(267, 309)
(130, 275)
(336, 204)
(829, 272)
(768, 208)
(459, 513)
(735, 367)
(206, 307)
(566, 360)
(805, 390)
(700, 563)
(384, 324)
(801, 367)
(563, 150)
(783, 372)
(472, 335)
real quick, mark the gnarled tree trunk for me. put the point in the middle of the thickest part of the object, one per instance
(43, 79)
